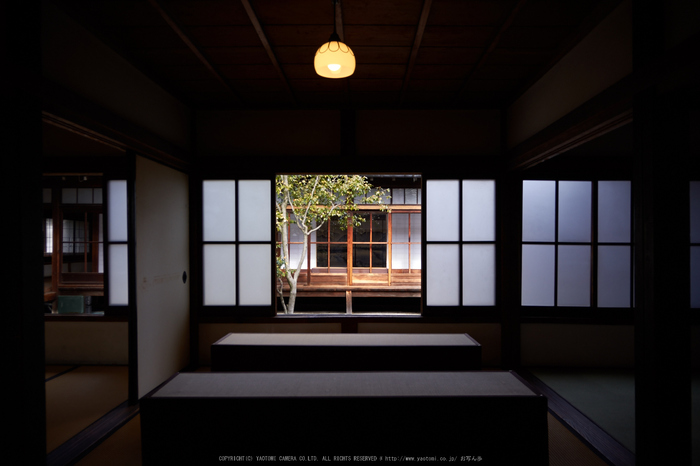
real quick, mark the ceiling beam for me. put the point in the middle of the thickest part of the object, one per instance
(193, 48)
(266, 44)
(492, 45)
(416, 45)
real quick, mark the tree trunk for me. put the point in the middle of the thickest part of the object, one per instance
(292, 297)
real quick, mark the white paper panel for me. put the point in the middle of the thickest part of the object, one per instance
(479, 275)
(219, 274)
(538, 275)
(442, 268)
(117, 223)
(219, 210)
(254, 210)
(574, 276)
(695, 211)
(614, 211)
(443, 210)
(538, 210)
(256, 274)
(614, 279)
(478, 210)
(118, 274)
(575, 211)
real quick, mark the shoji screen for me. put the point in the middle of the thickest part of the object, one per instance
(118, 247)
(460, 243)
(237, 236)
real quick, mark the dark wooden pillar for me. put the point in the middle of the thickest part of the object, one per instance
(509, 194)
(662, 325)
(23, 323)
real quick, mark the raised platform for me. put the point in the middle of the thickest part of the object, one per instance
(309, 352)
(483, 417)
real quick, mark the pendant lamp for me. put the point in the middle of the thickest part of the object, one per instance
(334, 59)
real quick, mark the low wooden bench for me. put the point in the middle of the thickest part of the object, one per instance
(295, 352)
(488, 418)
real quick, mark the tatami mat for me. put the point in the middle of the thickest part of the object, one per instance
(77, 398)
(80, 396)
(120, 449)
(604, 396)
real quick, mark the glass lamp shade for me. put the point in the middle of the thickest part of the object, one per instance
(334, 59)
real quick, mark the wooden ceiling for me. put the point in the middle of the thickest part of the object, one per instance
(409, 53)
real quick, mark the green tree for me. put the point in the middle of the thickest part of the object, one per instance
(309, 201)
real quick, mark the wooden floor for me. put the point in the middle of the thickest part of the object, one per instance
(79, 397)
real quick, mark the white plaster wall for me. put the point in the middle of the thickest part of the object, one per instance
(162, 252)
(600, 60)
(86, 343)
(79, 62)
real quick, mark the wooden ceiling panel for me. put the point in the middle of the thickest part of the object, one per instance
(303, 54)
(288, 34)
(449, 55)
(257, 85)
(236, 55)
(388, 55)
(322, 99)
(376, 85)
(206, 12)
(373, 35)
(422, 98)
(441, 71)
(317, 85)
(380, 71)
(375, 99)
(452, 36)
(223, 36)
(300, 71)
(390, 12)
(259, 53)
(266, 71)
(435, 85)
(469, 12)
(297, 12)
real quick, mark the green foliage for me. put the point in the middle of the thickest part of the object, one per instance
(309, 201)
(313, 199)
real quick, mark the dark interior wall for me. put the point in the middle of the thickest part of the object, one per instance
(268, 133)
(23, 327)
(75, 61)
(364, 133)
(428, 133)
